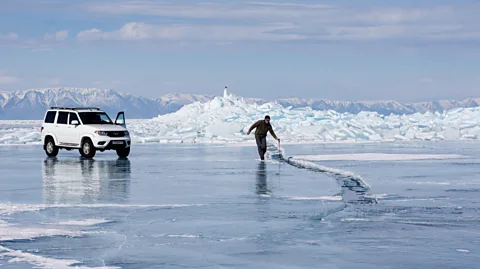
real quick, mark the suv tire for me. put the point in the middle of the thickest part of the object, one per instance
(87, 149)
(50, 148)
(123, 153)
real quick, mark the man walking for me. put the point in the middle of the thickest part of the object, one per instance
(263, 126)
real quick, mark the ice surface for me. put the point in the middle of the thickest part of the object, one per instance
(320, 198)
(85, 222)
(379, 157)
(354, 189)
(150, 211)
(7, 209)
(44, 262)
(346, 178)
(10, 232)
(20, 132)
(227, 119)
(16, 232)
(239, 212)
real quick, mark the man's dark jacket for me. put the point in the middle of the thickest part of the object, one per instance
(262, 128)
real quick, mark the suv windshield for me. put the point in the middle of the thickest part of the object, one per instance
(95, 118)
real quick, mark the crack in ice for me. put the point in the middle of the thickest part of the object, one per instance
(354, 189)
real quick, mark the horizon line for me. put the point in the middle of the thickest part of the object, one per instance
(67, 88)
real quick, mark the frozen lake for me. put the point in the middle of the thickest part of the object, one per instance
(207, 206)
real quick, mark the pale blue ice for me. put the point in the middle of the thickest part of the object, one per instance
(209, 206)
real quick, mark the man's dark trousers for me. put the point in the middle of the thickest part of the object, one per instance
(262, 145)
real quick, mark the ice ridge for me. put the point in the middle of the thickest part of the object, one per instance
(354, 189)
(227, 118)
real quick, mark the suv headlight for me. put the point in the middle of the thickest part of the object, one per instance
(126, 133)
(101, 132)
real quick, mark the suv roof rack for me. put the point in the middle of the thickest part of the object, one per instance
(75, 108)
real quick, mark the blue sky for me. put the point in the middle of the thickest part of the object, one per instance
(343, 50)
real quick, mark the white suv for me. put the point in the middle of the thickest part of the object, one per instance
(84, 128)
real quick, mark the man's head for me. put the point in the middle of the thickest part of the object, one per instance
(267, 119)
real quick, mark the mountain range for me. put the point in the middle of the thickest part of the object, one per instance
(31, 104)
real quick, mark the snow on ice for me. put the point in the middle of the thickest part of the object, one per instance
(227, 119)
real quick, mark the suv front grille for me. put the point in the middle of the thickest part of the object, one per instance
(116, 134)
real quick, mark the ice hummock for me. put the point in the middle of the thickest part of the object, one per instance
(227, 118)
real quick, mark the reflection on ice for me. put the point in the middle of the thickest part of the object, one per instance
(83, 181)
(215, 204)
(261, 185)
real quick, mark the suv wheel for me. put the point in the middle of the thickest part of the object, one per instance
(123, 152)
(50, 147)
(87, 150)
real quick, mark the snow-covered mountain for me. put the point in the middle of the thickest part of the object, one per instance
(383, 107)
(31, 104)
(173, 102)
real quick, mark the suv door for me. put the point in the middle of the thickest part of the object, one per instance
(61, 127)
(49, 121)
(120, 120)
(73, 130)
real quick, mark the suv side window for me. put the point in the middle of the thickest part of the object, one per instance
(73, 116)
(62, 117)
(50, 117)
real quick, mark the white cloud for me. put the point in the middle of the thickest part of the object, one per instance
(388, 31)
(113, 82)
(92, 34)
(401, 15)
(14, 41)
(225, 34)
(191, 10)
(42, 49)
(269, 11)
(53, 81)
(58, 36)
(5, 79)
(298, 5)
(172, 83)
(286, 21)
(9, 36)
(426, 80)
(143, 31)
